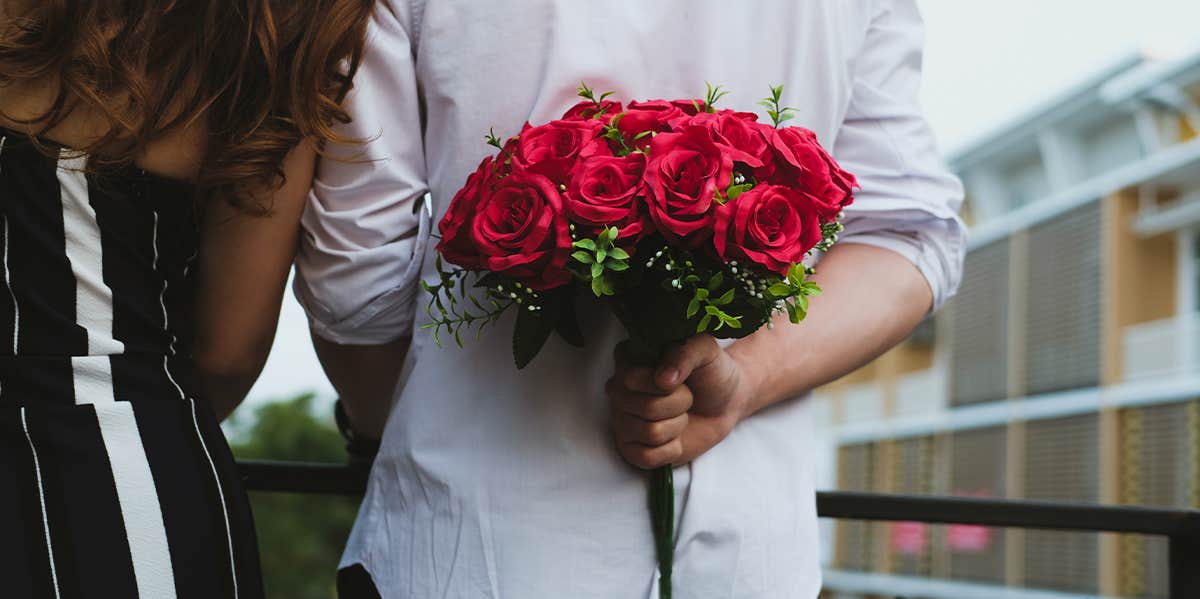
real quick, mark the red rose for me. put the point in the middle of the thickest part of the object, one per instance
(805, 164)
(771, 225)
(521, 231)
(739, 131)
(689, 107)
(653, 115)
(588, 110)
(684, 174)
(605, 192)
(456, 245)
(551, 150)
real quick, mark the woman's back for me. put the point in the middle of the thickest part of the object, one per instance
(154, 160)
(97, 272)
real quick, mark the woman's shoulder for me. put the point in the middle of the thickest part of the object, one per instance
(175, 154)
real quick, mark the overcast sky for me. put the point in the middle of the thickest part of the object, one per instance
(986, 62)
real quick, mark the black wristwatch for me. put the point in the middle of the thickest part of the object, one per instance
(360, 450)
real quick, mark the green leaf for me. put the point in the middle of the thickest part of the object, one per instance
(734, 323)
(597, 286)
(429, 325)
(568, 324)
(601, 254)
(702, 294)
(693, 308)
(724, 299)
(616, 266)
(583, 257)
(619, 254)
(716, 281)
(704, 322)
(802, 306)
(642, 135)
(691, 279)
(780, 290)
(795, 275)
(597, 270)
(586, 244)
(532, 329)
(734, 191)
(792, 314)
(712, 310)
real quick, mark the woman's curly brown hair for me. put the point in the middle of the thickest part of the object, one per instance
(262, 75)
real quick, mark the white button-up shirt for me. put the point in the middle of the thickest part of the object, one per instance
(497, 483)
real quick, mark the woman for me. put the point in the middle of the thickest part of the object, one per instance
(154, 159)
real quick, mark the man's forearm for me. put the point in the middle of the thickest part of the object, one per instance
(365, 378)
(872, 300)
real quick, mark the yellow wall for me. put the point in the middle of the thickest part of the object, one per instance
(1138, 278)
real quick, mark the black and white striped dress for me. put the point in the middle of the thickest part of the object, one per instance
(115, 481)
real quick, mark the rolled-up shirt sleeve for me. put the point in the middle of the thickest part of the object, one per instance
(909, 200)
(364, 227)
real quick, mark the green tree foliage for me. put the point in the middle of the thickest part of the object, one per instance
(300, 537)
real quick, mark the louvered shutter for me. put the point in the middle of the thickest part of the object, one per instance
(1156, 466)
(977, 469)
(979, 328)
(856, 539)
(1062, 464)
(909, 543)
(1062, 331)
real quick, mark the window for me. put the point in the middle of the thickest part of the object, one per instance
(979, 328)
(977, 469)
(856, 539)
(1157, 467)
(1062, 464)
(1062, 288)
(909, 543)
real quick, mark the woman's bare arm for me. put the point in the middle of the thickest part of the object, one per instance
(244, 265)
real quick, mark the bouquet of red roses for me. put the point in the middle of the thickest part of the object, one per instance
(682, 218)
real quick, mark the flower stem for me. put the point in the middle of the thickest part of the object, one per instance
(647, 352)
(662, 511)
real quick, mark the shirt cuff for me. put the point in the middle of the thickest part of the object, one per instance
(936, 248)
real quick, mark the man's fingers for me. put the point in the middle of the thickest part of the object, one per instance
(630, 429)
(682, 360)
(640, 380)
(651, 407)
(648, 458)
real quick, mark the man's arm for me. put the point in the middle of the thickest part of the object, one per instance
(365, 232)
(900, 257)
(365, 377)
(872, 300)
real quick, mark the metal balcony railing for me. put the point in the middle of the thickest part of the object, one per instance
(1180, 526)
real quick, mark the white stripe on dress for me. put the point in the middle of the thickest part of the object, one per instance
(7, 278)
(162, 302)
(11, 293)
(140, 510)
(93, 297)
(221, 494)
(37, 468)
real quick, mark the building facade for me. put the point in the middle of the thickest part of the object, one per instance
(1066, 369)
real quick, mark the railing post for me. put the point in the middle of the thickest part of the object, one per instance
(1185, 567)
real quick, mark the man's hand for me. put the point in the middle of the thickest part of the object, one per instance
(674, 413)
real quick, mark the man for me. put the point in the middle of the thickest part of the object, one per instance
(498, 483)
